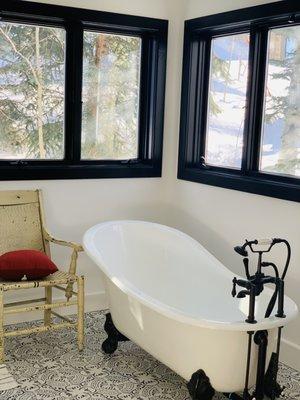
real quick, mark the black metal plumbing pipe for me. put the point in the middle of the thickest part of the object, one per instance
(261, 339)
(288, 255)
(246, 389)
(276, 388)
(280, 310)
(251, 316)
(274, 296)
(259, 262)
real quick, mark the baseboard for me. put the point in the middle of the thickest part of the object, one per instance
(96, 301)
(93, 302)
(290, 354)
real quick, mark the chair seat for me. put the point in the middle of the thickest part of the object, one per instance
(59, 277)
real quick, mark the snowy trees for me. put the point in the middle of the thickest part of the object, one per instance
(280, 145)
(283, 99)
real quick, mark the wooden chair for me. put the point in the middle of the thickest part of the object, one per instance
(22, 226)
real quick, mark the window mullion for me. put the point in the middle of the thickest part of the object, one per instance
(144, 133)
(255, 102)
(73, 90)
(202, 104)
(197, 98)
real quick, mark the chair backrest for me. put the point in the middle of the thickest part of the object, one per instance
(21, 221)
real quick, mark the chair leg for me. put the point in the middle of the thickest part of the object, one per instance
(72, 271)
(1, 326)
(47, 313)
(80, 313)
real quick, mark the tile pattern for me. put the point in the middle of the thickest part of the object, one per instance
(49, 367)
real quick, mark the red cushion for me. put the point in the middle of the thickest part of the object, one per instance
(32, 263)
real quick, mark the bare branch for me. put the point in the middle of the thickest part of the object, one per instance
(8, 39)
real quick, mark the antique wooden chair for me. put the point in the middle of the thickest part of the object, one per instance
(22, 226)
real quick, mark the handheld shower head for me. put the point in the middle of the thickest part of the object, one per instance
(241, 250)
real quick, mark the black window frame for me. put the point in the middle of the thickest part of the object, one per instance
(154, 33)
(194, 96)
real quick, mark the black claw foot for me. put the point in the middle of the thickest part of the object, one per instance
(272, 389)
(234, 396)
(110, 345)
(199, 386)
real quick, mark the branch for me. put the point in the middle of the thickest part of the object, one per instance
(8, 39)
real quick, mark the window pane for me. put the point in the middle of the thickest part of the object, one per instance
(280, 148)
(227, 100)
(32, 63)
(111, 78)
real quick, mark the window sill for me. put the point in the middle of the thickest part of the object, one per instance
(259, 183)
(79, 171)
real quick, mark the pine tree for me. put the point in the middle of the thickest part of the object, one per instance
(287, 106)
(31, 90)
(111, 86)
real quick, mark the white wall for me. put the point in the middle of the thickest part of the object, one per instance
(219, 218)
(72, 206)
(199, 8)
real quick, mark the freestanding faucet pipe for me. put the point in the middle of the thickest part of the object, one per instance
(261, 339)
(253, 286)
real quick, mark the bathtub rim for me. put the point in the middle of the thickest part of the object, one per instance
(291, 309)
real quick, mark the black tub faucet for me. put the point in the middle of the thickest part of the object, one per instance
(243, 293)
(254, 284)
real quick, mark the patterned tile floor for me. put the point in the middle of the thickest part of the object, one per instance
(49, 367)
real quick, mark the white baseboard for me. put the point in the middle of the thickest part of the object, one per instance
(93, 302)
(290, 354)
(96, 301)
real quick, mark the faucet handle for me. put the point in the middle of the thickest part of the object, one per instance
(233, 292)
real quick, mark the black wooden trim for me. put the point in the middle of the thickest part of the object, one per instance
(153, 33)
(261, 184)
(79, 171)
(195, 76)
(259, 50)
(279, 11)
(41, 11)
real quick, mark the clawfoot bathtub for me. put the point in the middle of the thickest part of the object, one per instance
(169, 295)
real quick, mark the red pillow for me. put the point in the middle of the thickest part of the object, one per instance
(32, 263)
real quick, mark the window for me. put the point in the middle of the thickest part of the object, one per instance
(81, 93)
(111, 85)
(32, 79)
(240, 120)
(227, 100)
(280, 143)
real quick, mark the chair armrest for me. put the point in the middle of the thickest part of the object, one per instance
(77, 247)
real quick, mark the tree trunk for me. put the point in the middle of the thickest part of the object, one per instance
(93, 121)
(42, 151)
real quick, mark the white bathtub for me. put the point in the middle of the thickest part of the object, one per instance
(169, 295)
